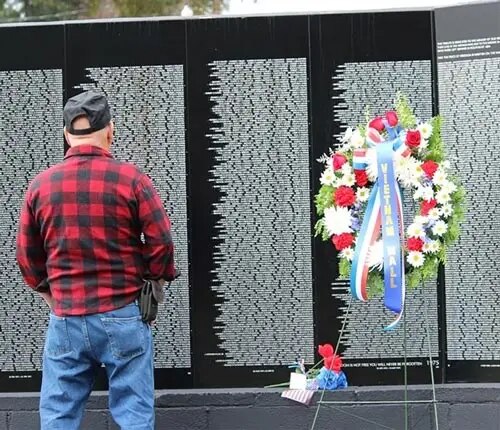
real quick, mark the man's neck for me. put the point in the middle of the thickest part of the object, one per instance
(91, 142)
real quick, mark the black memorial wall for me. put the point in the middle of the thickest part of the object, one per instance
(468, 69)
(228, 117)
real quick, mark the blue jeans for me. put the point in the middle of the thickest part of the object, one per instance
(76, 346)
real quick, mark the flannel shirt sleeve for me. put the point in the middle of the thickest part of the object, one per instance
(30, 252)
(158, 249)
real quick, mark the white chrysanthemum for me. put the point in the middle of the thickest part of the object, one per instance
(363, 194)
(415, 258)
(400, 163)
(446, 164)
(357, 140)
(431, 247)
(371, 164)
(346, 169)
(415, 168)
(408, 171)
(440, 177)
(426, 248)
(327, 177)
(425, 130)
(418, 194)
(415, 230)
(375, 257)
(420, 219)
(446, 210)
(348, 180)
(337, 220)
(434, 246)
(449, 187)
(423, 193)
(347, 253)
(347, 135)
(423, 146)
(442, 197)
(434, 214)
(439, 228)
(337, 182)
(428, 193)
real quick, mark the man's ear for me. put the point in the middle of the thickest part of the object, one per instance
(65, 132)
(111, 130)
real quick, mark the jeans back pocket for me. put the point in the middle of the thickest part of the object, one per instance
(126, 336)
(57, 342)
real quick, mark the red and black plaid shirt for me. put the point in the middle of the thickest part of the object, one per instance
(80, 233)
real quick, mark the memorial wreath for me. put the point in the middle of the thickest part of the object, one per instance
(360, 205)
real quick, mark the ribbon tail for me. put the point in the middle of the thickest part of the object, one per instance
(396, 322)
(368, 234)
(399, 316)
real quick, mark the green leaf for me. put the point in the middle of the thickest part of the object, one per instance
(344, 268)
(319, 227)
(374, 284)
(429, 268)
(320, 230)
(324, 199)
(435, 149)
(405, 113)
(458, 215)
(412, 280)
(441, 254)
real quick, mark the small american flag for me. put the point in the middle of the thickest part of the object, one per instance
(301, 396)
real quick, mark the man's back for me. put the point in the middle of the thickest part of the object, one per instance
(91, 210)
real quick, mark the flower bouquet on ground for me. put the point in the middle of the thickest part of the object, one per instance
(330, 377)
(303, 384)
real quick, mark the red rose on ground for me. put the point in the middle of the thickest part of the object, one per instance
(334, 362)
(361, 177)
(338, 160)
(415, 244)
(429, 167)
(377, 124)
(392, 118)
(413, 138)
(344, 196)
(325, 350)
(427, 205)
(342, 241)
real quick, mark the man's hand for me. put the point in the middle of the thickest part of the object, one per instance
(48, 299)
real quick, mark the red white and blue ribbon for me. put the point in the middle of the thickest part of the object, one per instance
(384, 213)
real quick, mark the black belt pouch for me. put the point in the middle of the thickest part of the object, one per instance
(148, 305)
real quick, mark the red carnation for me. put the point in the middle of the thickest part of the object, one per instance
(334, 362)
(427, 205)
(415, 244)
(325, 350)
(413, 138)
(361, 177)
(338, 160)
(392, 118)
(430, 167)
(344, 196)
(377, 124)
(342, 241)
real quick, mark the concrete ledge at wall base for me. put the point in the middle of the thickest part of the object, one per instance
(459, 407)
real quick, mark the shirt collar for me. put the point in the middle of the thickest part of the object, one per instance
(87, 150)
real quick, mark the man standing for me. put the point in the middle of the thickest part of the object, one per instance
(79, 245)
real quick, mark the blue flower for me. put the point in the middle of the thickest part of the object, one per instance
(355, 224)
(330, 380)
